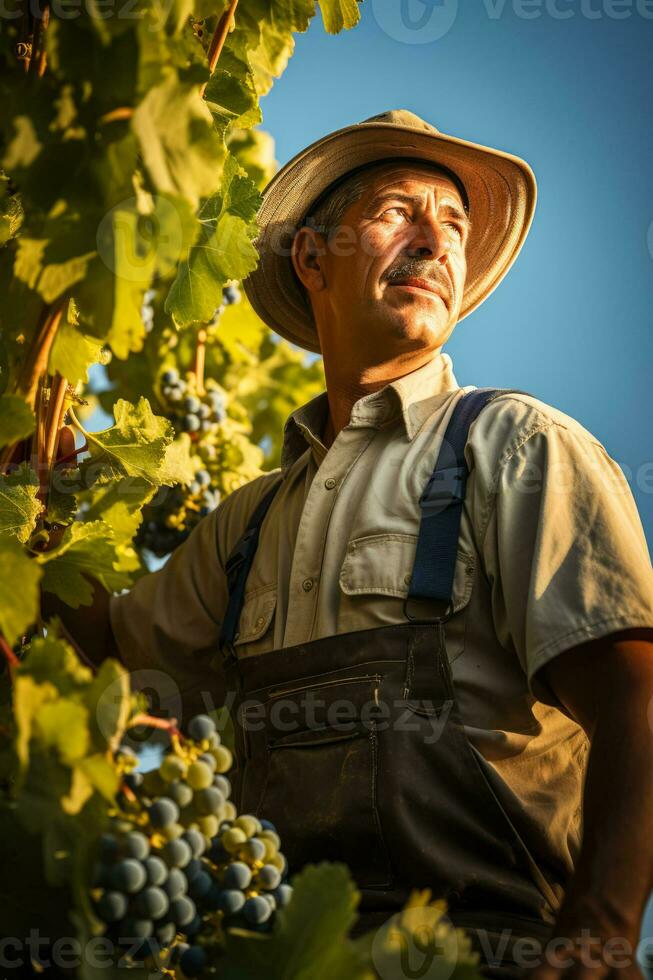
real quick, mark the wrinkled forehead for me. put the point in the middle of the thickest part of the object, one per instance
(385, 175)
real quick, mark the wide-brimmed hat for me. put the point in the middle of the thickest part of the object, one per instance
(500, 188)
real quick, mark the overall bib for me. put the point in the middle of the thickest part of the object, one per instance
(354, 747)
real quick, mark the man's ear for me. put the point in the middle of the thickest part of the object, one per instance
(307, 254)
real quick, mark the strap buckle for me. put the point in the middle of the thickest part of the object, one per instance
(445, 487)
(430, 617)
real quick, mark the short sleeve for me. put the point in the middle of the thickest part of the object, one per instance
(564, 549)
(166, 627)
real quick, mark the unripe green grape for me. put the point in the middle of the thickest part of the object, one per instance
(173, 831)
(223, 758)
(223, 785)
(233, 839)
(209, 825)
(196, 841)
(176, 853)
(199, 775)
(182, 911)
(173, 768)
(176, 884)
(156, 870)
(163, 813)
(209, 759)
(271, 849)
(249, 824)
(271, 835)
(279, 861)
(237, 875)
(128, 876)
(257, 910)
(229, 811)
(201, 727)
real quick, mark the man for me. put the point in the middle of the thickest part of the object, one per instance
(508, 792)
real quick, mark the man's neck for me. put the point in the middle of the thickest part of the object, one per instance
(346, 387)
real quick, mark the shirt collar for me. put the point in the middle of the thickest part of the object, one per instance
(412, 398)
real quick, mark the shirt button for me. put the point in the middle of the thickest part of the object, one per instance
(307, 584)
(330, 483)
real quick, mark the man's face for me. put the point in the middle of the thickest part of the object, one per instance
(390, 279)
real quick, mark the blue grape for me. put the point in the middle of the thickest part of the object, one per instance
(112, 907)
(203, 412)
(200, 885)
(208, 800)
(269, 876)
(177, 853)
(163, 813)
(193, 926)
(237, 875)
(231, 901)
(128, 876)
(268, 825)
(181, 793)
(182, 911)
(223, 785)
(193, 961)
(170, 376)
(152, 903)
(136, 845)
(192, 869)
(176, 884)
(282, 895)
(195, 840)
(190, 423)
(166, 933)
(209, 758)
(108, 846)
(137, 929)
(257, 910)
(192, 404)
(201, 727)
(157, 872)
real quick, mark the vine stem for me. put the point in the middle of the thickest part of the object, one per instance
(9, 655)
(167, 725)
(200, 360)
(219, 37)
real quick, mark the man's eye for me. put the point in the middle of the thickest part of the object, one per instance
(400, 211)
(455, 228)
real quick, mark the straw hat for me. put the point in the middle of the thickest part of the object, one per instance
(500, 188)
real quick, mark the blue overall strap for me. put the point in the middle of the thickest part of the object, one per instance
(441, 507)
(237, 569)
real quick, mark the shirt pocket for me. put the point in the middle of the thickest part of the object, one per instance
(379, 566)
(255, 633)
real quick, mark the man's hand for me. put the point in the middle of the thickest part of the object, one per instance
(607, 686)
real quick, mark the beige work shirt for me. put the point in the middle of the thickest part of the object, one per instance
(551, 553)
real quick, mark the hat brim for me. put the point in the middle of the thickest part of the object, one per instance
(501, 191)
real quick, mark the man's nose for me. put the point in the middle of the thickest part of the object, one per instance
(429, 239)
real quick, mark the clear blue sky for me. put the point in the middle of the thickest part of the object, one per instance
(572, 321)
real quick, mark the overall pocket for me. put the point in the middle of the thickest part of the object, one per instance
(318, 780)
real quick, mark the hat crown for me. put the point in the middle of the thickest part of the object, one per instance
(402, 117)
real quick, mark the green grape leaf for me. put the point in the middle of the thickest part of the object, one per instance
(254, 150)
(231, 96)
(135, 446)
(49, 278)
(86, 549)
(185, 159)
(19, 589)
(63, 725)
(50, 660)
(178, 466)
(224, 250)
(109, 702)
(17, 420)
(339, 14)
(72, 353)
(19, 507)
(101, 775)
(310, 940)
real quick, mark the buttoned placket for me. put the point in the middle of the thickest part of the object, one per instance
(320, 505)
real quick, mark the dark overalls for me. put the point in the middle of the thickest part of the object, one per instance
(354, 747)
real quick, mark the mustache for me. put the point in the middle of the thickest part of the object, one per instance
(409, 268)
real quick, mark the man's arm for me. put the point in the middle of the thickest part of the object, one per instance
(607, 685)
(88, 627)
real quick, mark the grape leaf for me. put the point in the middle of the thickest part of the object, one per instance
(50, 660)
(337, 14)
(19, 507)
(135, 446)
(17, 419)
(86, 549)
(224, 250)
(19, 589)
(310, 940)
(72, 353)
(109, 702)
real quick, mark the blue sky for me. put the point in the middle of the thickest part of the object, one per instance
(566, 88)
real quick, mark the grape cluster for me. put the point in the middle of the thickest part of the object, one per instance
(179, 863)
